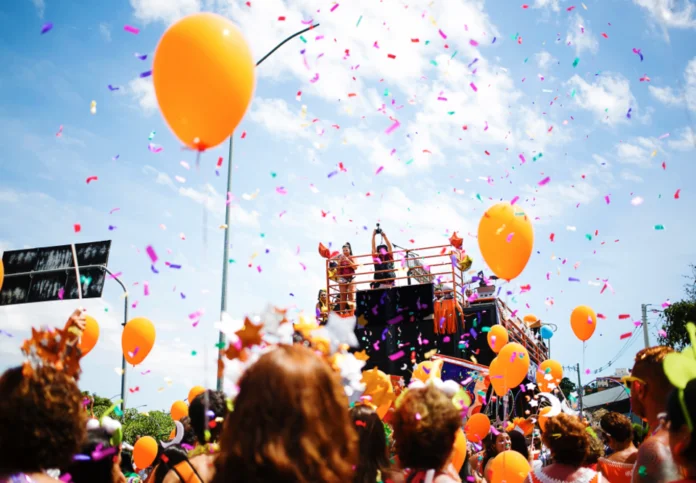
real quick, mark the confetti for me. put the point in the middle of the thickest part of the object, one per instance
(544, 181)
(473, 87)
(659, 227)
(140, 56)
(147, 73)
(77, 227)
(133, 30)
(92, 178)
(151, 253)
(639, 53)
(393, 127)
(46, 27)
(676, 194)
(576, 61)
(396, 355)
(379, 170)
(154, 148)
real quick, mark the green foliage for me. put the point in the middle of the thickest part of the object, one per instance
(157, 424)
(567, 386)
(675, 318)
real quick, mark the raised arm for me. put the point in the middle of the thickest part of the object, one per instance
(389, 245)
(374, 248)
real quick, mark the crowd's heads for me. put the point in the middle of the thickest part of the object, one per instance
(372, 453)
(617, 429)
(207, 413)
(495, 442)
(289, 423)
(682, 438)
(169, 458)
(425, 426)
(97, 460)
(44, 411)
(518, 443)
(189, 438)
(648, 382)
(566, 438)
(595, 450)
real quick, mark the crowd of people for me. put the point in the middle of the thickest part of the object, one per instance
(291, 421)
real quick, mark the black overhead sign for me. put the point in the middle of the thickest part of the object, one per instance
(48, 273)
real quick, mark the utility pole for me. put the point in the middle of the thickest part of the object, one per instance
(646, 337)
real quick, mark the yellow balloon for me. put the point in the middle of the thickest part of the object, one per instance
(506, 239)
(428, 369)
(514, 363)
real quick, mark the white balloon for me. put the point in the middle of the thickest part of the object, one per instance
(450, 387)
(416, 384)
(555, 404)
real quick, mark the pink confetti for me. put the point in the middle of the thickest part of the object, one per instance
(662, 333)
(258, 268)
(473, 43)
(146, 288)
(379, 170)
(396, 355)
(92, 178)
(151, 253)
(154, 148)
(544, 181)
(442, 34)
(281, 190)
(334, 7)
(522, 158)
(473, 86)
(607, 199)
(61, 293)
(587, 371)
(304, 267)
(514, 200)
(132, 30)
(393, 127)
(314, 79)
(509, 237)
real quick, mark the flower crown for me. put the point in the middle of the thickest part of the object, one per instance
(57, 348)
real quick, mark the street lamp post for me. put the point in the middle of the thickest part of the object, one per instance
(123, 356)
(226, 251)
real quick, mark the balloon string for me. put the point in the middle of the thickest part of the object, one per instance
(77, 272)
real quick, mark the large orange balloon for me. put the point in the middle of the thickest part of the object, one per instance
(137, 340)
(204, 79)
(195, 391)
(477, 427)
(144, 452)
(459, 451)
(90, 335)
(501, 338)
(542, 418)
(514, 363)
(497, 377)
(553, 368)
(583, 321)
(179, 410)
(506, 238)
(509, 467)
(2, 273)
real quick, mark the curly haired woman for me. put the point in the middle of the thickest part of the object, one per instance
(617, 431)
(289, 423)
(425, 427)
(569, 443)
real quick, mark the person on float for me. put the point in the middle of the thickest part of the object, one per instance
(649, 388)
(383, 259)
(346, 274)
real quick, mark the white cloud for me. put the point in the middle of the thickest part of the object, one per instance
(609, 97)
(275, 116)
(629, 175)
(551, 4)
(166, 11)
(544, 59)
(687, 94)
(666, 95)
(143, 91)
(580, 36)
(686, 141)
(105, 31)
(40, 7)
(638, 151)
(680, 14)
(161, 178)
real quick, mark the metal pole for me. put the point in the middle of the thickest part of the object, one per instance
(123, 356)
(226, 251)
(646, 337)
(580, 388)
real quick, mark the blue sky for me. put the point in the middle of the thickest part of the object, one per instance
(593, 151)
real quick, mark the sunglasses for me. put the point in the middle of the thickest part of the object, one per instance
(629, 380)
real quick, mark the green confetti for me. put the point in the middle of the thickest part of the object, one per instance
(450, 112)
(576, 61)
(514, 37)
(359, 20)
(386, 92)
(303, 39)
(514, 300)
(525, 60)
(106, 309)
(193, 353)
(589, 237)
(263, 235)
(409, 161)
(485, 329)
(207, 434)
(572, 93)
(118, 412)
(643, 471)
(659, 227)
(273, 175)
(478, 197)
(231, 260)
(455, 53)
(220, 345)
(427, 42)
(434, 63)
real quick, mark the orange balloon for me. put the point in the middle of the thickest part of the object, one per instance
(583, 321)
(90, 335)
(2, 274)
(501, 338)
(179, 410)
(428, 369)
(204, 79)
(542, 417)
(506, 238)
(459, 450)
(477, 427)
(144, 452)
(137, 340)
(514, 363)
(509, 467)
(195, 391)
(553, 368)
(497, 377)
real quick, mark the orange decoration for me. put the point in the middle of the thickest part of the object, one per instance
(195, 391)
(455, 241)
(514, 362)
(495, 373)
(323, 251)
(477, 427)
(204, 79)
(509, 467)
(2, 273)
(459, 451)
(542, 417)
(144, 452)
(501, 338)
(427, 370)
(137, 340)
(583, 321)
(179, 410)
(90, 335)
(555, 369)
(506, 238)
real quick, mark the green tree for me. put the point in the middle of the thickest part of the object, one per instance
(567, 387)
(676, 316)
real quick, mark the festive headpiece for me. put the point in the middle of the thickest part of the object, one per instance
(680, 369)
(112, 427)
(52, 347)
